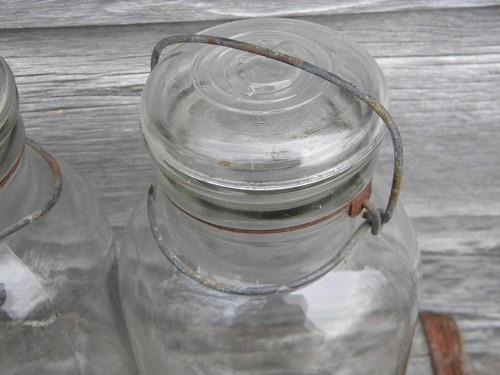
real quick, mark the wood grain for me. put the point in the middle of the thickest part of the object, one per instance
(445, 343)
(53, 13)
(80, 90)
(460, 267)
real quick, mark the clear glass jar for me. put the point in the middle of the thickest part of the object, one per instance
(256, 165)
(56, 316)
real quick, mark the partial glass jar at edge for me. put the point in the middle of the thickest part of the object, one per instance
(255, 165)
(56, 316)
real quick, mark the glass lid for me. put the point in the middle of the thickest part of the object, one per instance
(11, 136)
(8, 100)
(236, 120)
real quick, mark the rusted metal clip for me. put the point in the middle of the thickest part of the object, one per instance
(374, 217)
(445, 343)
(56, 192)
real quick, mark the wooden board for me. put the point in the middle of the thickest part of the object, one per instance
(80, 90)
(52, 13)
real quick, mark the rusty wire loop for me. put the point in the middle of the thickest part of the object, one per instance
(373, 103)
(56, 192)
(374, 217)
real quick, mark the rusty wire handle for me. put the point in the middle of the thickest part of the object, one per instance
(56, 192)
(374, 104)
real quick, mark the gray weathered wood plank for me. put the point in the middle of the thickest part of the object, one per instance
(460, 266)
(52, 13)
(80, 90)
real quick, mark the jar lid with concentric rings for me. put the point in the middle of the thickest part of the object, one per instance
(236, 120)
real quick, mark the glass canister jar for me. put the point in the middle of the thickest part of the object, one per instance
(56, 315)
(250, 254)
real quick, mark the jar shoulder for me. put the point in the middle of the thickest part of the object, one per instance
(385, 265)
(75, 226)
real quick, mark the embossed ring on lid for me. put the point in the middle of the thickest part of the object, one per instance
(259, 85)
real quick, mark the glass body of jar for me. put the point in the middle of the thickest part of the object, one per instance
(56, 311)
(194, 235)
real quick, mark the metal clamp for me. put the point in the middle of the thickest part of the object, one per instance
(373, 216)
(56, 193)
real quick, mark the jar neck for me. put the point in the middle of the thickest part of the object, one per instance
(254, 242)
(15, 185)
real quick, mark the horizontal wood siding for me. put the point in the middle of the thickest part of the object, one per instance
(80, 90)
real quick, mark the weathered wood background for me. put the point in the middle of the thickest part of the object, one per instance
(80, 69)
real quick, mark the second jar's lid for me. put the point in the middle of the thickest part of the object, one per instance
(11, 134)
(8, 100)
(237, 120)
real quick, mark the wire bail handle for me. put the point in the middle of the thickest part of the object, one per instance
(55, 169)
(375, 217)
